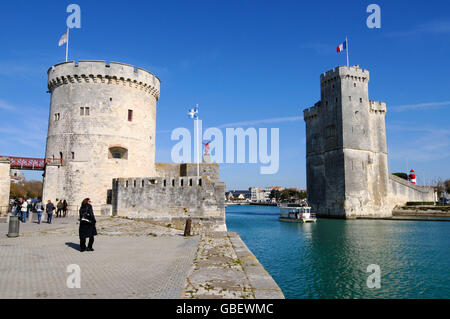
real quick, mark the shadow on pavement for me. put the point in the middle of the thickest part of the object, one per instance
(74, 246)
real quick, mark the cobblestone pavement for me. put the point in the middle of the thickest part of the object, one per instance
(132, 259)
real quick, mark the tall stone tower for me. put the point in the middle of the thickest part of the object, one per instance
(346, 153)
(101, 126)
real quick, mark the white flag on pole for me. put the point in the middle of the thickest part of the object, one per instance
(63, 39)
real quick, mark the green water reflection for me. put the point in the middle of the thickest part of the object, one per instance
(329, 259)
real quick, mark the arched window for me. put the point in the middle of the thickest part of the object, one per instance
(118, 152)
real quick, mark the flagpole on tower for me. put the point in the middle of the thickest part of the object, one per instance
(67, 45)
(346, 43)
(198, 147)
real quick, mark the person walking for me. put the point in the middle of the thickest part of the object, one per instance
(29, 208)
(60, 208)
(23, 210)
(87, 225)
(39, 209)
(17, 204)
(65, 208)
(49, 209)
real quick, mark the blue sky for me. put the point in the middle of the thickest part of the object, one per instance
(256, 62)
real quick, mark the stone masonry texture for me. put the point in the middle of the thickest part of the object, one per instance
(82, 141)
(5, 185)
(101, 145)
(175, 197)
(346, 152)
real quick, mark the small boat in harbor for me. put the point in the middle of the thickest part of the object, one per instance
(296, 214)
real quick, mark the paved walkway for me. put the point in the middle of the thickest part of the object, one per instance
(225, 268)
(131, 260)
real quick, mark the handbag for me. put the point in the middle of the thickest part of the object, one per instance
(84, 215)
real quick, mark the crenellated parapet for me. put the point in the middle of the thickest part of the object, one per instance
(312, 112)
(354, 73)
(171, 199)
(376, 107)
(97, 72)
(160, 182)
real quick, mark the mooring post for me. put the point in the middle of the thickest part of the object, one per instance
(187, 228)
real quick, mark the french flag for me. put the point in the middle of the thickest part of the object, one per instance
(341, 47)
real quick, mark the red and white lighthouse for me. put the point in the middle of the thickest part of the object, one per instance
(412, 176)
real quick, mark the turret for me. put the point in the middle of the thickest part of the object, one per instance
(102, 125)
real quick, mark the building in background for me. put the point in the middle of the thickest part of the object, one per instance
(262, 195)
(240, 195)
(17, 176)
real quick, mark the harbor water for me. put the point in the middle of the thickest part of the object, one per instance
(330, 258)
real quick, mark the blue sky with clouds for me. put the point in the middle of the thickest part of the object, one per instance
(246, 63)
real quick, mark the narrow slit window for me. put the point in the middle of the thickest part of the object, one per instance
(81, 110)
(130, 115)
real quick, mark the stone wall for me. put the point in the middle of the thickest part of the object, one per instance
(187, 169)
(5, 184)
(173, 197)
(402, 191)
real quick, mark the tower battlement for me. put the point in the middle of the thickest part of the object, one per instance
(311, 112)
(346, 151)
(377, 107)
(346, 147)
(101, 72)
(342, 72)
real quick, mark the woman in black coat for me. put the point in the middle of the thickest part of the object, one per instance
(87, 225)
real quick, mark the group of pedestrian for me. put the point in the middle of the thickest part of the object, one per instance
(62, 208)
(22, 208)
